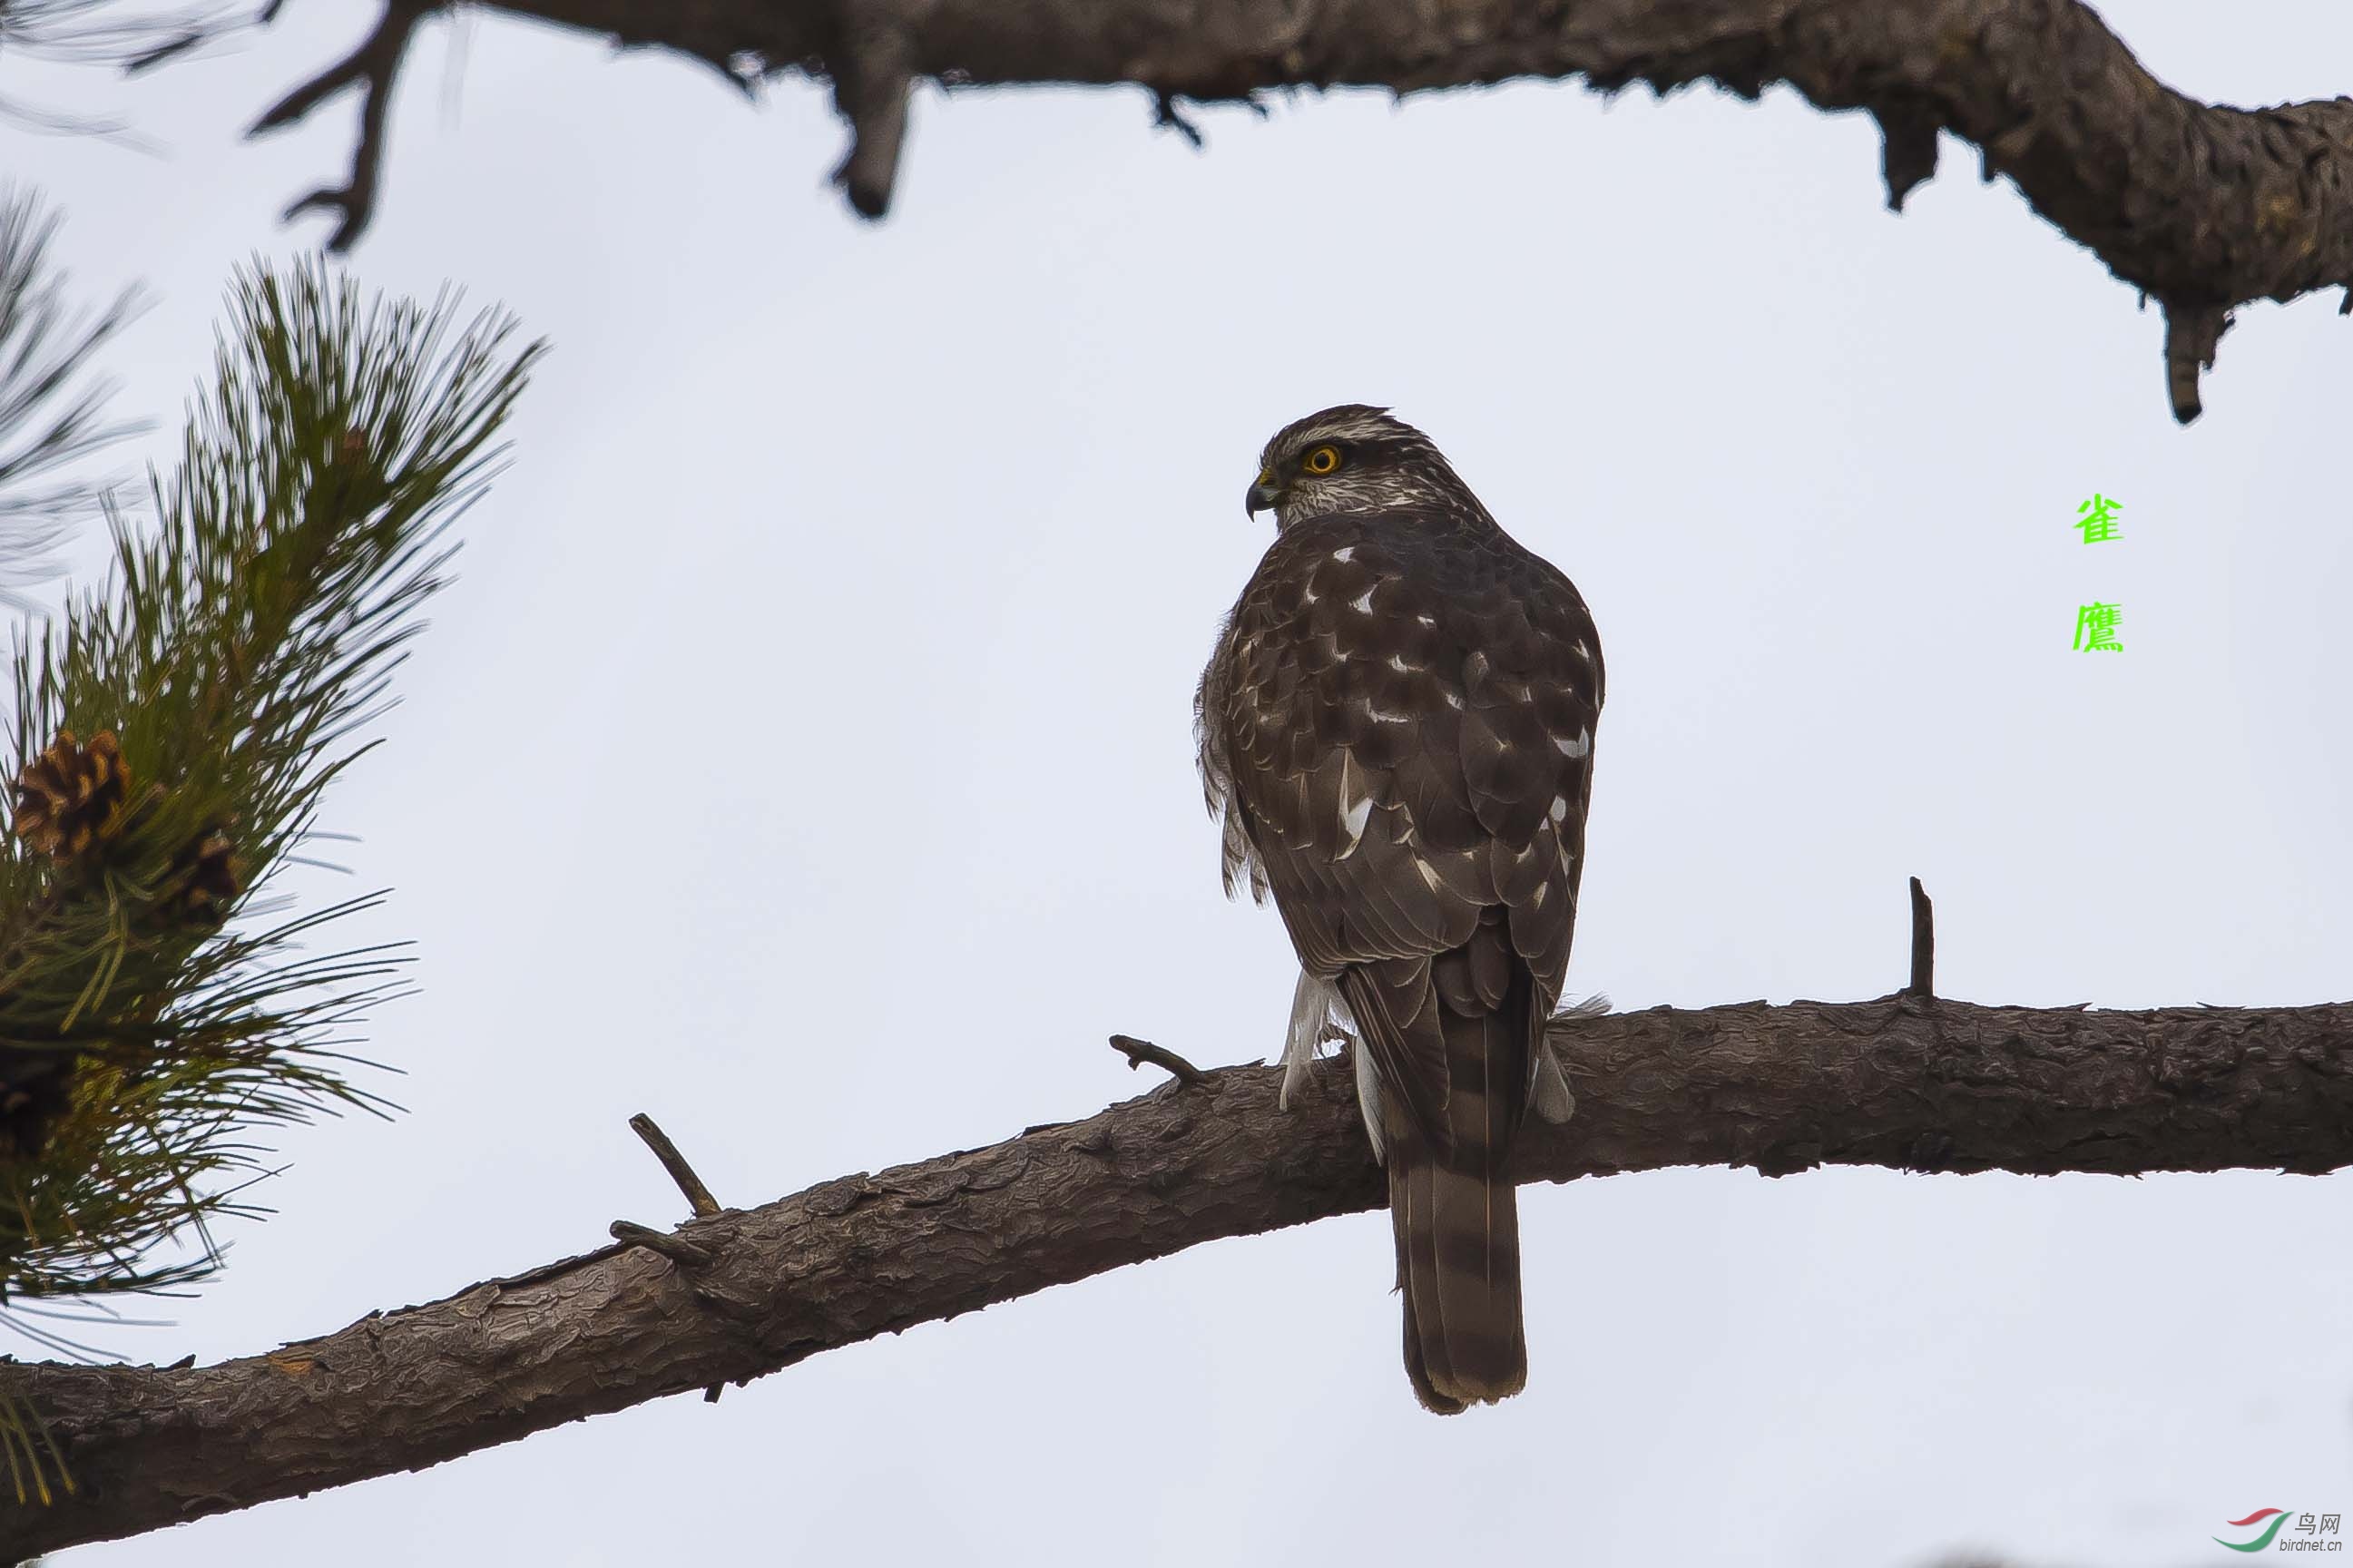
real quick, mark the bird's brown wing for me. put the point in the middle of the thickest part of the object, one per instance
(1398, 727)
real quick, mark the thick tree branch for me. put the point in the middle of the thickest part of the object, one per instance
(2202, 206)
(1904, 1082)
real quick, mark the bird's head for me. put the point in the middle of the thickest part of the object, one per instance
(1352, 458)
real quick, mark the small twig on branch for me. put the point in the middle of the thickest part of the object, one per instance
(1924, 943)
(1169, 116)
(2191, 332)
(698, 1196)
(372, 68)
(1907, 150)
(669, 1244)
(871, 85)
(1139, 1052)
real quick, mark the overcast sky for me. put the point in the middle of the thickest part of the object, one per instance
(804, 757)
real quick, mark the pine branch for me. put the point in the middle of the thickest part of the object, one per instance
(1902, 1082)
(112, 33)
(174, 735)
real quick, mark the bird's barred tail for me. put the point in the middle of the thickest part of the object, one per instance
(1457, 1219)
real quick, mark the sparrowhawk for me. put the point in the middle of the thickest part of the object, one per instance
(1397, 731)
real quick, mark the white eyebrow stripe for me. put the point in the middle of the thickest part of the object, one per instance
(1364, 428)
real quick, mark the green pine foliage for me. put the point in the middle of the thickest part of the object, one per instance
(52, 412)
(155, 1013)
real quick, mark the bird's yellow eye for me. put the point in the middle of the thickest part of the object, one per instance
(1322, 461)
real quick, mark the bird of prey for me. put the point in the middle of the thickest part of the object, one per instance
(1397, 732)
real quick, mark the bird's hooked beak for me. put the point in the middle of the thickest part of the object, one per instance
(1263, 494)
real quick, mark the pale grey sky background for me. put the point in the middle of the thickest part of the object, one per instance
(805, 757)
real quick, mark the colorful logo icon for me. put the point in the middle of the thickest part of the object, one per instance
(2277, 1517)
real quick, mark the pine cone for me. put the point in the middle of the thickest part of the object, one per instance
(33, 1088)
(206, 876)
(72, 795)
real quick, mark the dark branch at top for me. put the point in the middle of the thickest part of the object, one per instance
(2202, 206)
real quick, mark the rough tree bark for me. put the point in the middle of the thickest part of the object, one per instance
(2204, 207)
(1909, 1082)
